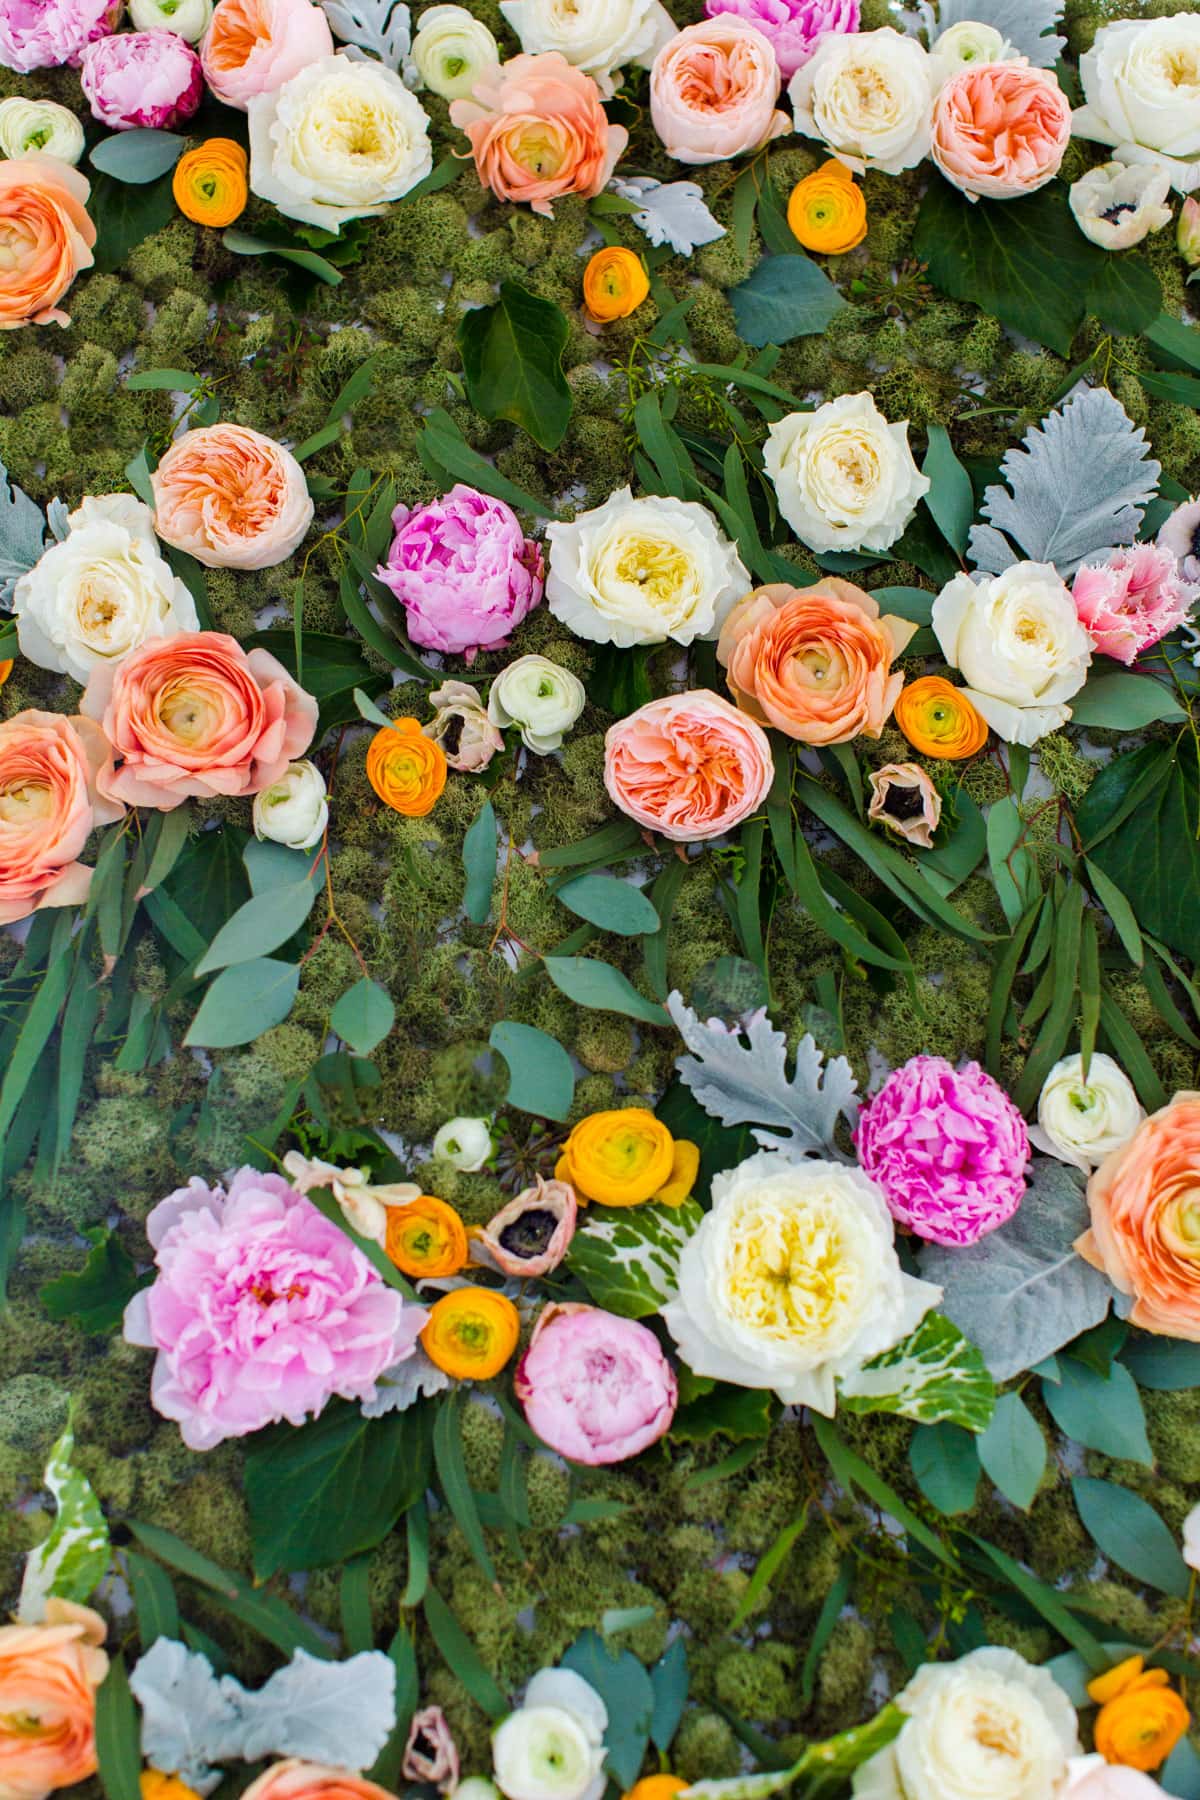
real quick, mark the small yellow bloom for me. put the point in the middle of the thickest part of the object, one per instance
(157, 1786)
(470, 1333)
(624, 1157)
(614, 284)
(210, 182)
(827, 212)
(1141, 1717)
(426, 1238)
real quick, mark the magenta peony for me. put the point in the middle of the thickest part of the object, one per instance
(595, 1387)
(1132, 600)
(45, 34)
(262, 1310)
(463, 570)
(791, 27)
(948, 1148)
(142, 78)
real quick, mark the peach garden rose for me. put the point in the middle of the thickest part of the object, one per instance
(52, 769)
(295, 1779)
(689, 766)
(49, 1674)
(538, 131)
(1000, 129)
(46, 238)
(253, 46)
(231, 497)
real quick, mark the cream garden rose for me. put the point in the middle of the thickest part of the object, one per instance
(845, 478)
(294, 810)
(452, 50)
(1141, 90)
(39, 128)
(1017, 639)
(541, 697)
(601, 37)
(868, 96)
(552, 1747)
(1082, 1121)
(792, 1279)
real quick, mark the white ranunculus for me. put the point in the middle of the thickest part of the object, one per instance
(339, 141)
(464, 1143)
(792, 1279)
(598, 36)
(641, 571)
(844, 477)
(1017, 639)
(960, 46)
(293, 810)
(476, 1787)
(541, 697)
(451, 50)
(188, 19)
(1081, 1122)
(39, 128)
(552, 1748)
(868, 96)
(100, 593)
(1141, 90)
(1119, 204)
(990, 1726)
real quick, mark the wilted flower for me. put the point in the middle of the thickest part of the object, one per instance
(465, 1144)
(364, 1205)
(1118, 204)
(461, 726)
(431, 1755)
(541, 697)
(533, 1232)
(905, 800)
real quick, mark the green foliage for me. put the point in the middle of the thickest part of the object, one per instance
(95, 1297)
(512, 359)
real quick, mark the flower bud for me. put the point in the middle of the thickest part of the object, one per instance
(39, 128)
(188, 19)
(1187, 232)
(452, 50)
(293, 810)
(465, 1144)
(539, 696)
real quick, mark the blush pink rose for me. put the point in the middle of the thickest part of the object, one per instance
(148, 79)
(538, 131)
(713, 90)
(595, 1387)
(45, 34)
(47, 237)
(194, 715)
(1131, 601)
(231, 497)
(689, 766)
(51, 770)
(1000, 130)
(252, 47)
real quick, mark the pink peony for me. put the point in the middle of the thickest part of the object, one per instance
(463, 570)
(45, 34)
(1132, 600)
(595, 1387)
(791, 27)
(948, 1148)
(713, 89)
(142, 78)
(253, 46)
(262, 1309)
(1000, 130)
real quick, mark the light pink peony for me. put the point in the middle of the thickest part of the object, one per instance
(713, 90)
(51, 768)
(1132, 600)
(45, 34)
(463, 570)
(262, 1309)
(689, 766)
(253, 46)
(538, 131)
(595, 1387)
(142, 78)
(791, 27)
(1000, 130)
(231, 497)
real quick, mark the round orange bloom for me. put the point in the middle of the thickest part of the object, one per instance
(656, 1787)
(210, 182)
(157, 1786)
(6, 669)
(49, 1674)
(827, 212)
(623, 1157)
(939, 720)
(614, 284)
(471, 1332)
(814, 662)
(1141, 1717)
(406, 768)
(1145, 1234)
(426, 1237)
(46, 238)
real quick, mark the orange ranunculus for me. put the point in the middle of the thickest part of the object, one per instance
(939, 720)
(471, 1333)
(6, 669)
(426, 1238)
(46, 238)
(209, 184)
(656, 1787)
(614, 284)
(157, 1786)
(1141, 1717)
(49, 1674)
(406, 768)
(827, 212)
(623, 1157)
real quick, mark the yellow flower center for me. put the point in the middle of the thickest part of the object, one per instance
(788, 1274)
(24, 802)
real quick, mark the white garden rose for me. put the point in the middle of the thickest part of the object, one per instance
(960, 46)
(293, 810)
(868, 96)
(1081, 1122)
(1118, 204)
(452, 50)
(641, 571)
(188, 19)
(1141, 90)
(39, 128)
(988, 1727)
(100, 593)
(1017, 639)
(552, 1748)
(845, 479)
(465, 1144)
(1191, 1539)
(541, 697)
(792, 1279)
(338, 141)
(598, 36)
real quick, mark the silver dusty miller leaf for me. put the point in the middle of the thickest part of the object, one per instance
(381, 28)
(22, 533)
(671, 212)
(1028, 25)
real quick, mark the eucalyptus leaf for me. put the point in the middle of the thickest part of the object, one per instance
(138, 156)
(609, 903)
(261, 925)
(1013, 1451)
(1131, 1534)
(541, 1079)
(363, 1016)
(243, 1002)
(1100, 1414)
(596, 984)
(786, 297)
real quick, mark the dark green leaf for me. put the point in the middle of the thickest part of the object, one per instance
(243, 243)
(1131, 1534)
(124, 216)
(951, 498)
(1164, 1365)
(118, 1744)
(945, 1462)
(264, 1613)
(452, 451)
(1122, 701)
(95, 1297)
(462, 1658)
(512, 360)
(154, 1602)
(741, 1414)
(479, 854)
(1154, 859)
(669, 1679)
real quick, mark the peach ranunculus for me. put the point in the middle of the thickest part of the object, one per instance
(1145, 1233)
(253, 46)
(1000, 130)
(46, 238)
(814, 662)
(689, 766)
(49, 1674)
(297, 1780)
(194, 716)
(51, 768)
(713, 89)
(538, 131)
(231, 497)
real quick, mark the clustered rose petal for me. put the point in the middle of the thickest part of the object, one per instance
(791, 27)
(44, 34)
(49, 1673)
(844, 474)
(713, 90)
(1000, 129)
(538, 131)
(149, 79)
(463, 570)
(948, 1148)
(1132, 600)
(262, 1309)
(47, 236)
(231, 497)
(689, 766)
(1018, 640)
(54, 774)
(595, 1387)
(252, 46)
(1141, 90)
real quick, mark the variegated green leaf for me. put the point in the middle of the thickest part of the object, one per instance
(628, 1256)
(936, 1375)
(827, 1764)
(73, 1560)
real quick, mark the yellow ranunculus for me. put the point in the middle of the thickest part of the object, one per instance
(614, 284)
(624, 1157)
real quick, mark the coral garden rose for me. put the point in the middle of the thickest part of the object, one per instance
(1141, 90)
(195, 716)
(54, 773)
(689, 766)
(1081, 1120)
(813, 662)
(471, 1333)
(1145, 1232)
(45, 34)
(867, 96)
(1132, 600)
(231, 497)
(1092, 1778)
(463, 570)
(538, 131)
(210, 182)
(49, 1673)
(141, 79)
(261, 1309)
(614, 284)
(406, 768)
(1018, 640)
(452, 50)
(844, 476)
(46, 238)
(713, 91)
(532, 1233)
(426, 1239)
(461, 726)
(947, 1147)
(595, 1387)
(254, 46)
(793, 28)
(39, 128)
(904, 800)
(190, 19)
(827, 211)
(939, 721)
(552, 1747)
(297, 1780)
(539, 696)
(294, 810)
(1000, 130)
(1116, 205)
(601, 37)
(623, 1157)
(1141, 1717)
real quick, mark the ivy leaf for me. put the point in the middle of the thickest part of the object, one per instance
(628, 1257)
(512, 361)
(95, 1297)
(936, 1376)
(73, 1560)
(786, 297)
(1028, 25)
